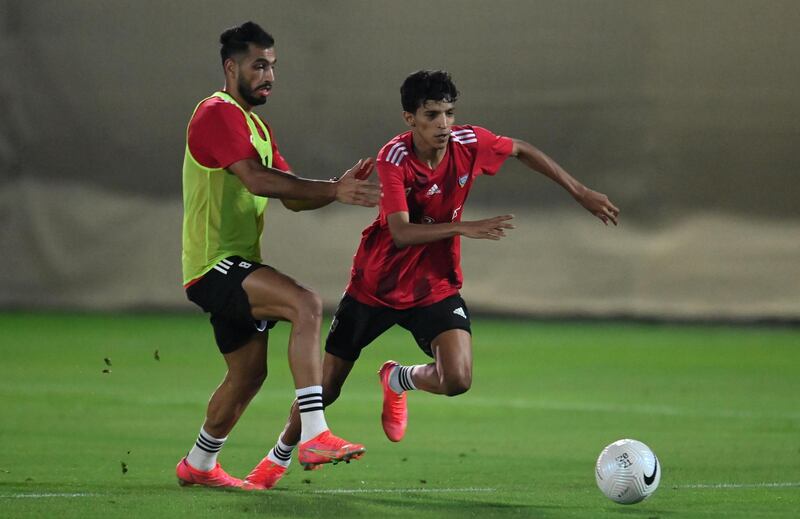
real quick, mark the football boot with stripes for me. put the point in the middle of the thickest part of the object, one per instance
(216, 477)
(327, 448)
(394, 417)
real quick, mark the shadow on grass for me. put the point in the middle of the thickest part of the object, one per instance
(307, 504)
(160, 501)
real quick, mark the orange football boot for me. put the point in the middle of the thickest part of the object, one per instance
(394, 417)
(264, 476)
(327, 448)
(216, 477)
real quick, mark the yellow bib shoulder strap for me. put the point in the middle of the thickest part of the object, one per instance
(262, 145)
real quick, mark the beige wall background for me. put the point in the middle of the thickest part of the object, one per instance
(685, 113)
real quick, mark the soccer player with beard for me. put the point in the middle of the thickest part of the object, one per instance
(407, 269)
(231, 166)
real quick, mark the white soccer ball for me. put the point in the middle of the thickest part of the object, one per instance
(627, 472)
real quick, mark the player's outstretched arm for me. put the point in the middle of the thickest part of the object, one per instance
(349, 184)
(596, 203)
(405, 233)
(350, 189)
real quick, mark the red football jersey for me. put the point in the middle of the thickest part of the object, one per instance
(219, 136)
(420, 275)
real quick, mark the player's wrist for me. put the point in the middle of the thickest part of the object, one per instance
(578, 191)
(334, 193)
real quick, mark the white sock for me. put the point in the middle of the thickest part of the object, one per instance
(400, 379)
(312, 417)
(203, 455)
(281, 453)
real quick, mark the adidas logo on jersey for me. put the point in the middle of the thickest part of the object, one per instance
(460, 311)
(434, 190)
(462, 180)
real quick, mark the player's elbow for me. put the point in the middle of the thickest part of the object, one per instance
(399, 244)
(293, 205)
(399, 239)
(247, 181)
(524, 151)
(263, 183)
(255, 187)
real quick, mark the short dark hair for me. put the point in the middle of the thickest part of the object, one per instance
(237, 40)
(427, 85)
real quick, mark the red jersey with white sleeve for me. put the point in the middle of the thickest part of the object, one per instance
(219, 136)
(421, 275)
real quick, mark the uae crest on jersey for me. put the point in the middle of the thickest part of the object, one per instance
(462, 180)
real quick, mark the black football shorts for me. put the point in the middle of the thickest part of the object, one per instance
(219, 292)
(355, 324)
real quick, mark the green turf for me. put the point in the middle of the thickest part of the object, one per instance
(719, 405)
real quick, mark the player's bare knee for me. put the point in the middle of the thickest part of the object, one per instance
(455, 389)
(457, 384)
(252, 384)
(307, 308)
(315, 305)
(248, 383)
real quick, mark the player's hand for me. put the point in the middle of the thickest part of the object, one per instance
(362, 169)
(489, 229)
(353, 188)
(599, 205)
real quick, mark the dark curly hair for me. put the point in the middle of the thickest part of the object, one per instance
(427, 85)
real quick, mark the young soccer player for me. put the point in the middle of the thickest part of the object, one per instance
(407, 269)
(231, 165)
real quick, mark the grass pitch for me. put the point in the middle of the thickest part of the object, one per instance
(83, 436)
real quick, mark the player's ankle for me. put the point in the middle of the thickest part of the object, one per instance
(401, 379)
(312, 416)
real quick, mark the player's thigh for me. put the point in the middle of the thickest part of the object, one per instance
(274, 295)
(219, 293)
(428, 324)
(355, 325)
